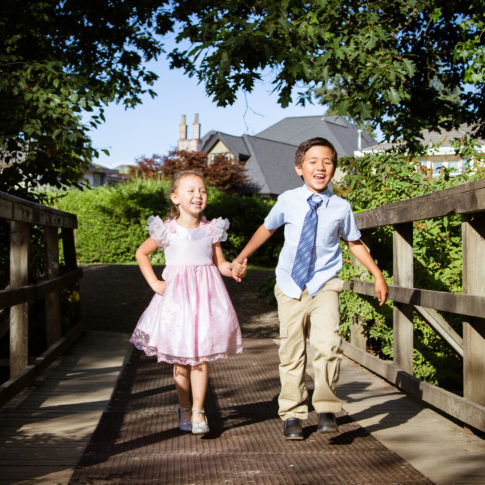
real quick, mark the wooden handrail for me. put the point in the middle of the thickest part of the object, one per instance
(30, 293)
(467, 200)
(462, 199)
(21, 215)
(14, 208)
(470, 305)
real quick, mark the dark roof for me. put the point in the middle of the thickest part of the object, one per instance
(235, 144)
(342, 134)
(271, 165)
(442, 138)
(96, 167)
(270, 154)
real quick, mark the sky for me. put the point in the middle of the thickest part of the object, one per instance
(152, 126)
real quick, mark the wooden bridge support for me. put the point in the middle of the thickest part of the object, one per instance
(473, 233)
(403, 272)
(19, 314)
(358, 332)
(52, 300)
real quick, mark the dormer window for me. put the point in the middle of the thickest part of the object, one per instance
(226, 155)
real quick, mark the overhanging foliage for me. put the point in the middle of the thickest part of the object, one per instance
(57, 60)
(403, 65)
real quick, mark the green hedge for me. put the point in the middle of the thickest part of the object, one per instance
(112, 220)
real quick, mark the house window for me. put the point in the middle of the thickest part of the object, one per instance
(455, 166)
(98, 179)
(226, 155)
(437, 167)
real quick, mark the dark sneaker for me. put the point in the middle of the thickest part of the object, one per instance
(292, 429)
(326, 423)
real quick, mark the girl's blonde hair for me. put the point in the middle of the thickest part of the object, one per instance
(173, 211)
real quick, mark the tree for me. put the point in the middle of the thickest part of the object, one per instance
(402, 65)
(147, 167)
(59, 59)
(224, 174)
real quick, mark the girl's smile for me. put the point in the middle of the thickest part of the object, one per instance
(191, 199)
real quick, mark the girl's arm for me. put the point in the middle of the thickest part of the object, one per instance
(146, 268)
(224, 267)
(358, 249)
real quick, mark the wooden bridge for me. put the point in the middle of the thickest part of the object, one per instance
(90, 409)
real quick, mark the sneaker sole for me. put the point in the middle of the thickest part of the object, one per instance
(294, 437)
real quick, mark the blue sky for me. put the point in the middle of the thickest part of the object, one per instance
(152, 127)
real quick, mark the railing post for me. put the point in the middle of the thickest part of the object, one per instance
(358, 334)
(69, 249)
(473, 234)
(19, 314)
(52, 300)
(403, 274)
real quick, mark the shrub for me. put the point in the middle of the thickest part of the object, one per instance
(112, 219)
(225, 174)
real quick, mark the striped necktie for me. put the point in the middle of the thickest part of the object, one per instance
(301, 265)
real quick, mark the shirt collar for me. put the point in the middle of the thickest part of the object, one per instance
(325, 195)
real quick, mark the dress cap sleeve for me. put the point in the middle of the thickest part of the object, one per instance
(158, 230)
(217, 228)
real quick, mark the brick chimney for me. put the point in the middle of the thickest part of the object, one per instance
(194, 144)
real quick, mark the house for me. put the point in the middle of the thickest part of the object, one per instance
(97, 175)
(269, 155)
(440, 152)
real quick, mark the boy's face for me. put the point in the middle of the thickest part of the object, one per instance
(317, 168)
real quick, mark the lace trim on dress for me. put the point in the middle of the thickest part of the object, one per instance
(139, 336)
(217, 228)
(158, 230)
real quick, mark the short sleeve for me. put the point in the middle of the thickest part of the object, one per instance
(218, 229)
(349, 231)
(276, 216)
(158, 231)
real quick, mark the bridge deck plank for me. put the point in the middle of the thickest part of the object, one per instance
(45, 443)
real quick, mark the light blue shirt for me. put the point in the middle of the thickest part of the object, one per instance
(335, 220)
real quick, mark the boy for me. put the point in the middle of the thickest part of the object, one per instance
(307, 287)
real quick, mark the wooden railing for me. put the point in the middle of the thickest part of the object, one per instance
(468, 200)
(21, 215)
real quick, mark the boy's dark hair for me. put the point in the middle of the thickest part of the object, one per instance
(304, 146)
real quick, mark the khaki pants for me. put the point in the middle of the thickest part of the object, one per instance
(317, 316)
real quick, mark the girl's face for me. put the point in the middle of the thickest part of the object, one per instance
(190, 196)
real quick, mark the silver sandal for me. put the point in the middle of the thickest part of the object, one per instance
(187, 424)
(199, 428)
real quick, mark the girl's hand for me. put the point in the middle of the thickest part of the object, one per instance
(239, 270)
(159, 286)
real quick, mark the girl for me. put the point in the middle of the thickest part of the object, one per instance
(190, 320)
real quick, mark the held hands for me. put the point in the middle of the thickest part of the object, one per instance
(239, 269)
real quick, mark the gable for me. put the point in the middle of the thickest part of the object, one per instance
(219, 147)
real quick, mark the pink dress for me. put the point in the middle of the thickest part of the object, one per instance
(194, 321)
